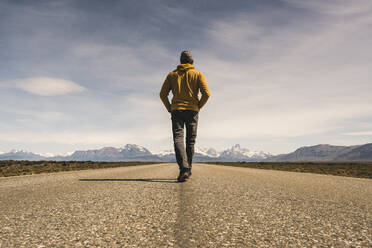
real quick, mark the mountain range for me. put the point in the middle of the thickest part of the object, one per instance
(132, 152)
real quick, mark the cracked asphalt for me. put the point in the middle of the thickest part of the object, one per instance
(220, 206)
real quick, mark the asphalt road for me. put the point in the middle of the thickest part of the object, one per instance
(219, 207)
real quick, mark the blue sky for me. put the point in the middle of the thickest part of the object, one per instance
(87, 74)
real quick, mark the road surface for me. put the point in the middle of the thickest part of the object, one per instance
(220, 206)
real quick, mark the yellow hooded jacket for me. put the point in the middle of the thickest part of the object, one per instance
(185, 83)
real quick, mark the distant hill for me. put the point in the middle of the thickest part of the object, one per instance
(326, 153)
(359, 153)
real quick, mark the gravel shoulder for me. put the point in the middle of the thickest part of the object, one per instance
(219, 207)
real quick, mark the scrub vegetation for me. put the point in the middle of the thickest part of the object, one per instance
(16, 168)
(348, 169)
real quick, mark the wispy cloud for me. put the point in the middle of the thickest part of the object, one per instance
(44, 86)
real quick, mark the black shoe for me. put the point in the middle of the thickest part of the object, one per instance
(183, 176)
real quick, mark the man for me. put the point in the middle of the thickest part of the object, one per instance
(185, 83)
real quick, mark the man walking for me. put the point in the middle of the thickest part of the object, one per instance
(185, 83)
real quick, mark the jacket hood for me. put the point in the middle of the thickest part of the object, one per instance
(185, 67)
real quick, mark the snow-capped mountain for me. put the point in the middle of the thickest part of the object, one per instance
(237, 153)
(50, 155)
(20, 155)
(209, 152)
(129, 152)
(46, 154)
(200, 154)
(164, 153)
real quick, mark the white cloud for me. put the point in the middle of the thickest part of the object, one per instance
(45, 86)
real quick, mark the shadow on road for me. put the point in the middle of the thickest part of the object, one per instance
(150, 180)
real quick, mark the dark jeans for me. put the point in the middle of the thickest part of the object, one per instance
(180, 119)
